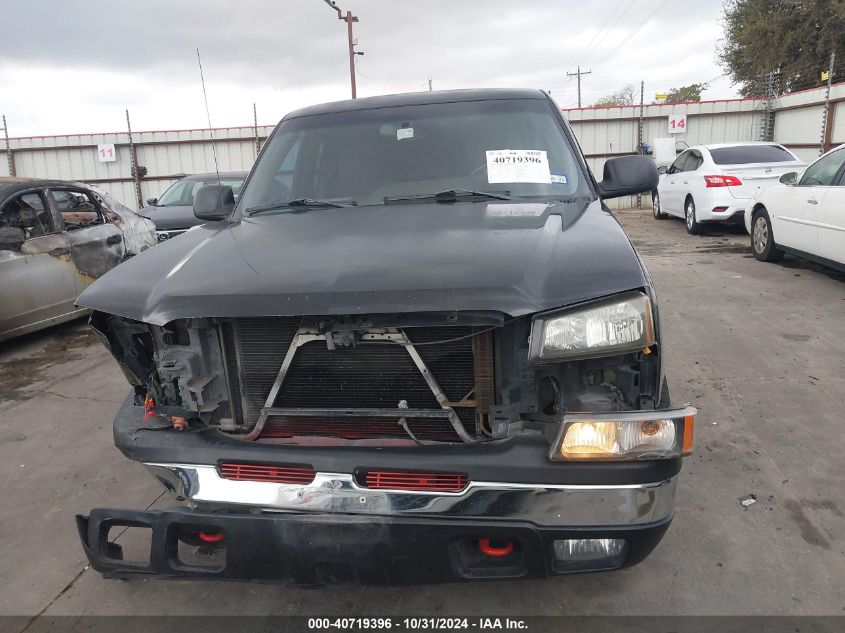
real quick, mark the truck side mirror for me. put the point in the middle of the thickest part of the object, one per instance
(627, 175)
(214, 202)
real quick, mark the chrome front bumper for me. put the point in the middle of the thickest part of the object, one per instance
(542, 505)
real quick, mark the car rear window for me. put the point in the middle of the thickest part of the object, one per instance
(743, 154)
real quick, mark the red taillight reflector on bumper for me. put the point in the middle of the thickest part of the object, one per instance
(722, 181)
(266, 472)
(415, 481)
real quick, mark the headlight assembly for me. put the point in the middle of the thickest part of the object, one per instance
(616, 326)
(632, 435)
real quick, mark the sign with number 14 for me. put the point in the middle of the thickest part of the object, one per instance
(106, 153)
(677, 123)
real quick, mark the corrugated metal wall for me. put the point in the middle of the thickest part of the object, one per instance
(602, 133)
(167, 156)
(607, 132)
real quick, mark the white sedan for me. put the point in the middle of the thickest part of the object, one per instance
(714, 183)
(804, 214)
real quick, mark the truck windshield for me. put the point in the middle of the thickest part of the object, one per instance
(507, 147)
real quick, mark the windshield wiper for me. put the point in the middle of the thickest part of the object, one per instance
(451, 195)
(298, 204)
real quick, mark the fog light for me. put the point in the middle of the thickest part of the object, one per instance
(589, 554)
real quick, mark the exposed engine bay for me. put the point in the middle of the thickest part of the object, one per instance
(383, 379)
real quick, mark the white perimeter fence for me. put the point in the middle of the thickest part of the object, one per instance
(800, 121)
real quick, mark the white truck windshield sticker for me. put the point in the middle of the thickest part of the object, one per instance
(518, 165)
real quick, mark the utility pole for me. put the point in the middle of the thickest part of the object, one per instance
(8, 148)
(578, 75)
(827, 122)
(349, 19)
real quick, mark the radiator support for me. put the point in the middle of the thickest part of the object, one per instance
(385, 336)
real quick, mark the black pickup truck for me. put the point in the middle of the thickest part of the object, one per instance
(418, 349)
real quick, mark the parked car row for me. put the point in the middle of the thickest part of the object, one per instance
(784, 204)
(803, 214)
(56, 237)
(714, 183)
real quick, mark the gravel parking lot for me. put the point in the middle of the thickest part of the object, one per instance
(759, 348)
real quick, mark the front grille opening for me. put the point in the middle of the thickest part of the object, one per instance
(368, 375)
(290, 474)
(359, 428)
(414, 481)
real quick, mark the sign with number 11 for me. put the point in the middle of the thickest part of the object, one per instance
(106, 153)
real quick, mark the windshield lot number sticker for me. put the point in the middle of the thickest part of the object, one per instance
(518, 165)
(106, 153)
(677, 123)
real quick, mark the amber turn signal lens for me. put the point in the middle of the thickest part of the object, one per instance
(689, 431)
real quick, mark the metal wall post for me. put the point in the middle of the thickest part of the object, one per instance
(825, 141)
(767, 129)
(640, 135)
(8, 148)
(255, 127)
(136, 176)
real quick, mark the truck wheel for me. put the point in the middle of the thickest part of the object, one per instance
(694, 227)
(655, 206)
(762, 239)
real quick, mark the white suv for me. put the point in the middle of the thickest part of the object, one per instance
(714, 183)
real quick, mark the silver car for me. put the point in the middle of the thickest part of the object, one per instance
(57, 237)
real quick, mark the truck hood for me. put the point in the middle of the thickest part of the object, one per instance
(516, 258)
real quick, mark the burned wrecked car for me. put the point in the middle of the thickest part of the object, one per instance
(56, 237)
(418, 349)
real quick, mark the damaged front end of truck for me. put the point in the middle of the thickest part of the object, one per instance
(397, 387)
(452, 421)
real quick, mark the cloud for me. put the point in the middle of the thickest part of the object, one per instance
(71, 67)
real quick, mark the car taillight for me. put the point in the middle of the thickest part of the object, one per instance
(722, 181)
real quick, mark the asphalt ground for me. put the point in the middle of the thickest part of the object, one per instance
(758, 348)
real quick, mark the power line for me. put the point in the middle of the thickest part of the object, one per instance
(637, 30)
(600, 32)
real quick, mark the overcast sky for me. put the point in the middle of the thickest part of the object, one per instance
(73, 67)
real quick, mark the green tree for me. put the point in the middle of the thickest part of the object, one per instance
(686, 93)
(791, 38)
(623, 96)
